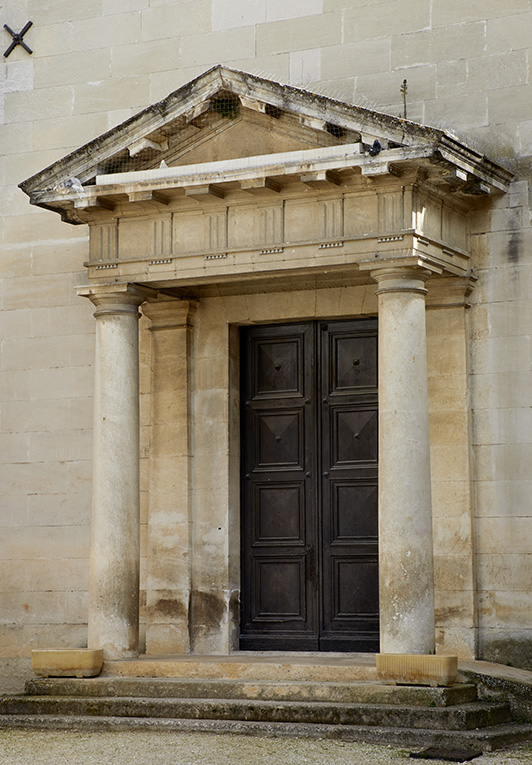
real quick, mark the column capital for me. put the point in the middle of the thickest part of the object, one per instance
(400, 279)
(113, 299)
(169, 313)
(401, 274)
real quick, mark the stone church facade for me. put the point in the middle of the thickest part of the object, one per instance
(265, 372)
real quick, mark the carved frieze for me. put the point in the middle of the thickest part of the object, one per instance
(162, 236)
(391, 215)
(433, 218)
(454, 231)
(242, 226)
(216, 230)
(333, 218)
(271, 225)
(104, 241)
(188, 233)
(303, 220)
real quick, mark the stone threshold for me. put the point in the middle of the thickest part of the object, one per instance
(302, 657)
(256, 665)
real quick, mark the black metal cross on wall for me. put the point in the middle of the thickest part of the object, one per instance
(17, 39)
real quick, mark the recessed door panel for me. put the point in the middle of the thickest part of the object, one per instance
(354, 514)
(280, 439)
(353, 364)
(279, 366)
(354, 435)
(280, 513)
(279, 587)
(355, 586)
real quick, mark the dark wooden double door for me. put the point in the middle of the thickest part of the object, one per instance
(309, 487)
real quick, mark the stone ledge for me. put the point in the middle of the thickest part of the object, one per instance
(61, 662)
(417, 669)
(501, 683)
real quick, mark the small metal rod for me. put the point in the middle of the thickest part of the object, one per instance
(404, 91)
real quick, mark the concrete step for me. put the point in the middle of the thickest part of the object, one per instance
(485, 739)
(458, 717)
(205, 688)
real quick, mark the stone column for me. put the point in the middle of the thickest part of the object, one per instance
(406, 581)
(169, 522)
(114, 550)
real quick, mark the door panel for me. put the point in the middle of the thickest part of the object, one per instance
(309, 489)
(280, 513)
(278, 368)
(280, 439)
(354, 435)
(279, 529)
(349, 454)
(280, 585)
(354, 585)
(350, 526)
(353, 363)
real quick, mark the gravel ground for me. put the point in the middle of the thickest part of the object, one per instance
(30, 747)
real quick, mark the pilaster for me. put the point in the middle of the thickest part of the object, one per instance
(448, 372)
(169, 522)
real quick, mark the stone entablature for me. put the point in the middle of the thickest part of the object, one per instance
(339, 185)
(298, 228)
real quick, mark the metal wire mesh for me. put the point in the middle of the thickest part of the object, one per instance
(165, 146)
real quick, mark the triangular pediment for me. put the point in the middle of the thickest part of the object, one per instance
(247, 134)
(227, 116)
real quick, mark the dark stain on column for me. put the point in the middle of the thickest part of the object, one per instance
(208, 611)
(514, 239)
(168, 607)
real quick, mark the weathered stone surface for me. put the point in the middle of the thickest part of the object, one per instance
(466, 70)
(81, 662)
(417, 669)
(417, 715)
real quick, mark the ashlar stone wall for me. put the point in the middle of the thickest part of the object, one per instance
(97, 62)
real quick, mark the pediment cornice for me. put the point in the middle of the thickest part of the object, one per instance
(122, 165)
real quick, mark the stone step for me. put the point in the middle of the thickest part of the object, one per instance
(303, 690)
(259, 666)
(458, 717)
(485, 739)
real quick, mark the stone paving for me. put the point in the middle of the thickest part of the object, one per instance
(19, 747)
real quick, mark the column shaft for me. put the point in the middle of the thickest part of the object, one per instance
(405, 513)
(115, 525)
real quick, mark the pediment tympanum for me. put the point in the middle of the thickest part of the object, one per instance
(236, 176)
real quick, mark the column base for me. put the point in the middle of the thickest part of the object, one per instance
(65, 662)
(417, 669)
